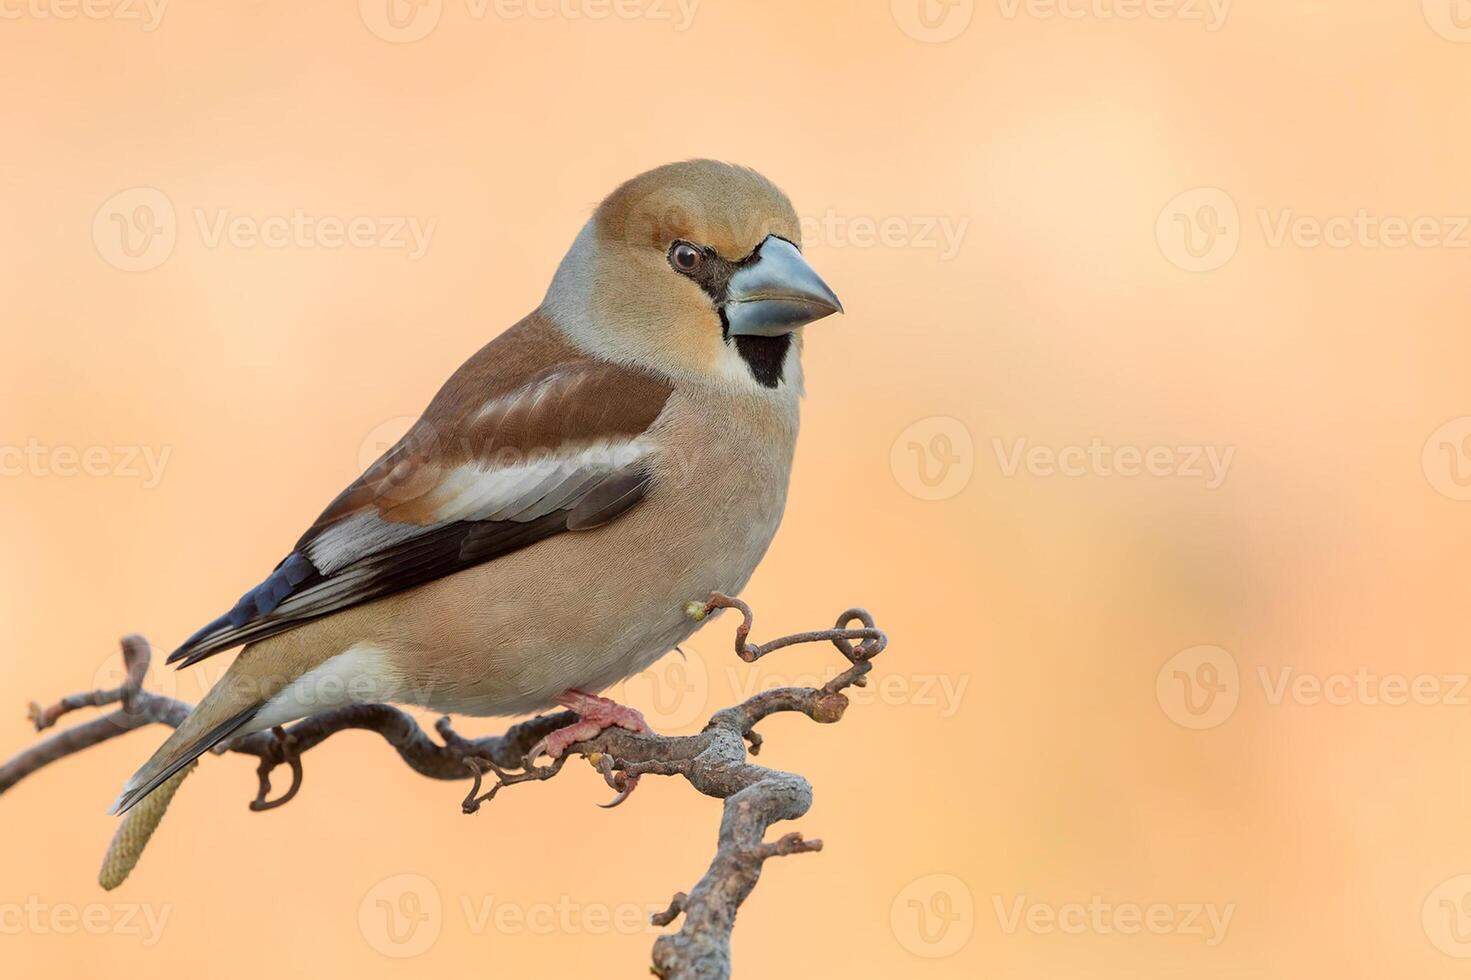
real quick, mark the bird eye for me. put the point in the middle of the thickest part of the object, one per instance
(685, 257)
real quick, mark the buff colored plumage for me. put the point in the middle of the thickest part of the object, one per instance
(537, 534)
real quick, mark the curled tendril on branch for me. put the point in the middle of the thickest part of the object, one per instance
(715, 762)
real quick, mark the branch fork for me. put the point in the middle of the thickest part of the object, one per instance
(715, 762)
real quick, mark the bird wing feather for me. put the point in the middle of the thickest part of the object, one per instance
(563, 448)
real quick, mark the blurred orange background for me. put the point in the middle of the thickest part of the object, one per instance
(1145, 437)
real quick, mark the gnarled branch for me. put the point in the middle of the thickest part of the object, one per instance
(715, 762)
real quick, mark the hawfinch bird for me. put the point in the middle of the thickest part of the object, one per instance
(539, 531)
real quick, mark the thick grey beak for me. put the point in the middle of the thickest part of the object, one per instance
(777, 293)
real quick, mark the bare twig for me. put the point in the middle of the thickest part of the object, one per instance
(715, 762)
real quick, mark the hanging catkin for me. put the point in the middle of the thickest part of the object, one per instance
(136, 829)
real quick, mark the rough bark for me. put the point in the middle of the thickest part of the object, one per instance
(716, 762)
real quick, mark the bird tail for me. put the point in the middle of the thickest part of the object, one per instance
(216, 718)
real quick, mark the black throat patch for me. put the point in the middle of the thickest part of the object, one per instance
(765, 356)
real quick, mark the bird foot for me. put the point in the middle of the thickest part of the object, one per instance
(594, 716)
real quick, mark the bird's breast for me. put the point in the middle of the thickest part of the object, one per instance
(588, 608)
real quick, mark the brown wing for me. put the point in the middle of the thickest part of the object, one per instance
(495, 464)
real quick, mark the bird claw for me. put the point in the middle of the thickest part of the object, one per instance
(623, 782)
(594, 716)
(623, 794)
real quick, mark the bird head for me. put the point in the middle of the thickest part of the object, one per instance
(694, 270)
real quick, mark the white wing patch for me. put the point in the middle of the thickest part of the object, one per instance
(532, 485)
(518, 488)
(361, 534)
